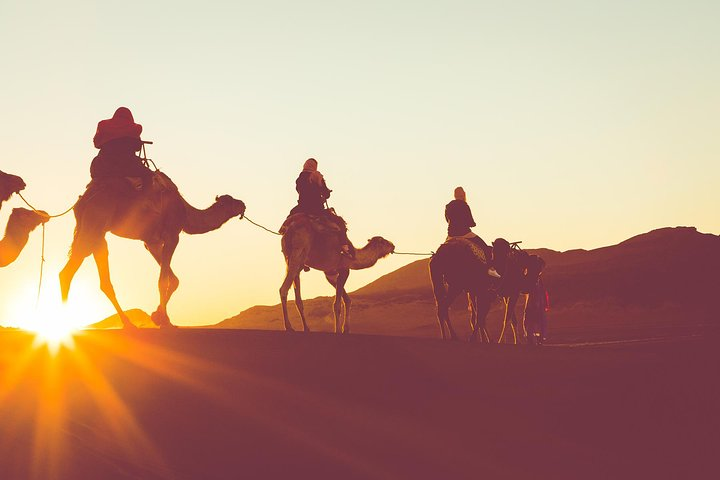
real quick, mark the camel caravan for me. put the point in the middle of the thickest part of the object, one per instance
(129, 199)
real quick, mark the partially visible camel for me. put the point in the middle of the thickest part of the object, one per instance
(511, 263)
(21, 222)
(156, 217)
(305, 243)
(9, 184)
(460, 266)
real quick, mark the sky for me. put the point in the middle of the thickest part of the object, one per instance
(570, 124)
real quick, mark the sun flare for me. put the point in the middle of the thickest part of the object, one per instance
(55, 323)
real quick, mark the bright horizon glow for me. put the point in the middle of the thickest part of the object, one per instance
(54, 323)
(569, 124)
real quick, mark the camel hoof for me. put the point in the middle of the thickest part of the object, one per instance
(129, 326)
(168, 326)
(160, 319)
(306, 330)
(288, 328)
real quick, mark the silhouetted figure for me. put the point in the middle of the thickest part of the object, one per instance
(537, 304)
(312, 200)
(312, 190)
(118, 139)
(460, 220)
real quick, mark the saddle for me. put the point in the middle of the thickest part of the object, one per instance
(327, 223)
(473, 247)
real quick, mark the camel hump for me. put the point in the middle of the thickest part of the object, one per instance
(322, 224)
(467, 245)
(161, 182)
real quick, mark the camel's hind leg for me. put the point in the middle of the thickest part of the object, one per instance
(293, 271)
(299, 302)
(168, 282)
(103, 267)
(482, 307)
(452, 294)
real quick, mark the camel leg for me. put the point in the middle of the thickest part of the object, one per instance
(452, 294)
(482, 305)
(167, 281)
(299, 303)
(293, 271)
(512, 303)
(85, 242)
(472, 302)
(346, 304)
(103, 267)
(68, 272)
(337, 304)
(505, 318)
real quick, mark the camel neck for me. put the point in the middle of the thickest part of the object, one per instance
(203, 221)
(364, 258)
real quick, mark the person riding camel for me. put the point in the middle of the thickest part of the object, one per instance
(460, 220)
(312, 190)
(313, 193)
(118, 139)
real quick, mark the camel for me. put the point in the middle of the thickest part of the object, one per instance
(9, 184)
(460, 266)
(156, 217)
(511, 263)
(21, 222)
(306, 243)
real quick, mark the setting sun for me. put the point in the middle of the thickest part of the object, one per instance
(53, 322)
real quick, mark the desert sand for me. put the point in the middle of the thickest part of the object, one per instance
(226, 404)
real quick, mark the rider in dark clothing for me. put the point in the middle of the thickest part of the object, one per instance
(460, 220)
(312, 195)
(118, 139)
(312, 190)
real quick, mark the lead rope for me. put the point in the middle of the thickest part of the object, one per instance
(42, 263)
(42, 248)
(258, 225)
(279, 234)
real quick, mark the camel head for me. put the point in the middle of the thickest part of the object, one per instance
(9, 184)
(25, 220)
(235, 208)
(382, 246)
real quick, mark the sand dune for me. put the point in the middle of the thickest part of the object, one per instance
(227, 404)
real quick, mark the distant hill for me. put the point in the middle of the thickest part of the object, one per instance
(138, 317)
(664, 278)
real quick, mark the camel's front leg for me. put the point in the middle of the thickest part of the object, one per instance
(299, 303)
(103, 267)
(347, 301)
(168, 281)
(337, 305)
(508, 317)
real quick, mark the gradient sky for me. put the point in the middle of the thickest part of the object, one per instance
(571, 124)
